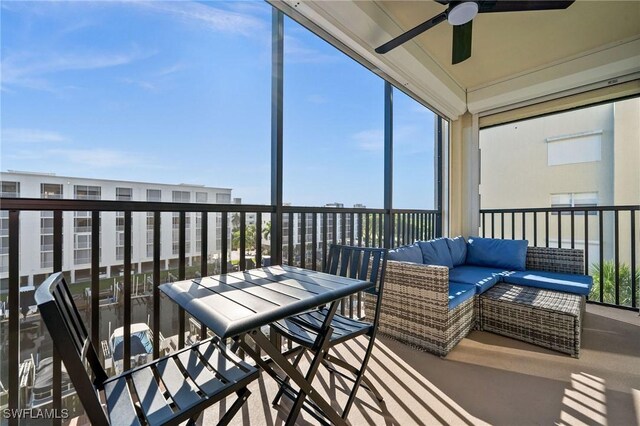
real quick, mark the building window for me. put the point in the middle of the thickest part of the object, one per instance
(201, 197)
(85, 192)
(51, 191)
(584, 147)
(575, 199)
(181, 197)
(153, 195)
(10, 189)
(122, 194)
(223, 198)
(82, 224)
(4, 241)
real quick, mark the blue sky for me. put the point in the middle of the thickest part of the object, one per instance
(179, 92)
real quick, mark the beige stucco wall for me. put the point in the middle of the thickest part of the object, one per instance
(515, 174)
(626, 160)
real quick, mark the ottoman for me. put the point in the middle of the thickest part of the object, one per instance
(546, 318)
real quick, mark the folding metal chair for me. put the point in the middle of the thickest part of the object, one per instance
(354, 262)
(169, 390)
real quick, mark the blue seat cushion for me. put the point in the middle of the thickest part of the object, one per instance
(436, 252)
(411, 253)
(458, 250)
(568, 283)
(483, 278)
(497, 253)
(459, 292)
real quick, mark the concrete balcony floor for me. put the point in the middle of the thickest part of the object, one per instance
(486, 379)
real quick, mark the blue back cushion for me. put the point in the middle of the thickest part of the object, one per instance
(458, 250)
(410, 253)
(509, 254)
(436, 252)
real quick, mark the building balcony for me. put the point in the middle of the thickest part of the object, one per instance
(485, 379)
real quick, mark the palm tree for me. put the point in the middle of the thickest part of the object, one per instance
(266, 231)
(609, 280)
(235, 220)
(250, 238)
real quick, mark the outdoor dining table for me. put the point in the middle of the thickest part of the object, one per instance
(238, 304)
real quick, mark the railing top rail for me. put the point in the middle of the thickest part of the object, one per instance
(36, 204)
(48, 204)
(309, 209)
(562, 209)
(415, 211)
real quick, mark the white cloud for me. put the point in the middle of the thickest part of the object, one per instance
(171, 69)
(317, 99)
(297, 52)
(370, 140)
(18, 136)
(213, 18)
(30, 69)
(145, 85)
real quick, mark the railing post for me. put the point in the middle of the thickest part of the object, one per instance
(388, 164)
(56, 385)
(126, 360)
(277, 72)
(14, 317)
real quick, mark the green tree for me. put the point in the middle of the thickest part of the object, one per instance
(609, 282)
(250, 238)
(266, 231)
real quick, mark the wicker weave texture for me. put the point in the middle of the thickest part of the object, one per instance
(415, 308)
(545, 318)
(570, 261)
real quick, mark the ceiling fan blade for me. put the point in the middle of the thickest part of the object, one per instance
(490, 6)
(461, 50)
(404, 37)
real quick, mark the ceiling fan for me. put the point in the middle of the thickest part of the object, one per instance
(460, 14)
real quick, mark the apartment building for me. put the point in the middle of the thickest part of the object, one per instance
(582, 158)
(36, 260)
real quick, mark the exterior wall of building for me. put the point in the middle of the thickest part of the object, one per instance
(519, 169)
(36, 227)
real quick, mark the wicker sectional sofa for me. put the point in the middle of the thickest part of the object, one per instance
(427, 307)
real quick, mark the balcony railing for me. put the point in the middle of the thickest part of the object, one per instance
(608, 235)
(242, 241)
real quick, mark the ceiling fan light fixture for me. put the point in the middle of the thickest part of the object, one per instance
(462, 12)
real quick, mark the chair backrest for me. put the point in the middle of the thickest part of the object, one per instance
(72, 342)
(363, 263)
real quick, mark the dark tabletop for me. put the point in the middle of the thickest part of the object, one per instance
(235, 303)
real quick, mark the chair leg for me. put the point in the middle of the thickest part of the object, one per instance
(243, 394)
(295, 363)
(366, 383)
(194, 420)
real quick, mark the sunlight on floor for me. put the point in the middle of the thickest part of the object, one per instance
(635, 394)
(585, 402)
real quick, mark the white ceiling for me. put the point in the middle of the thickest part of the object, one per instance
(516, 56)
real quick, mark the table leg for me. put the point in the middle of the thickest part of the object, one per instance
(303, 382)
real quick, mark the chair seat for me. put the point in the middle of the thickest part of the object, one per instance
(303, 328)
(173, 388)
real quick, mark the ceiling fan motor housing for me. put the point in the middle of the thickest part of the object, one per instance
(462, 12)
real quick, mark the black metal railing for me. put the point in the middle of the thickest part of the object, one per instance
(242, 241)
(608, 235)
